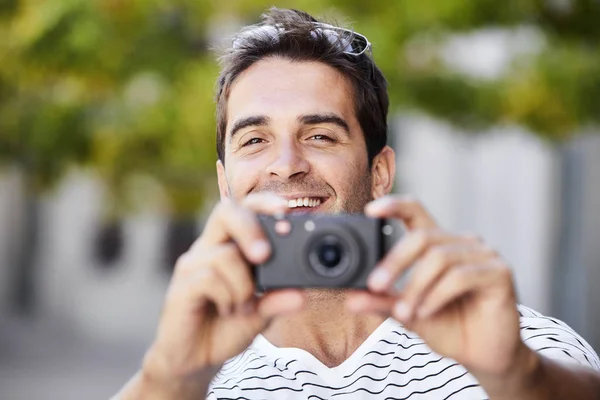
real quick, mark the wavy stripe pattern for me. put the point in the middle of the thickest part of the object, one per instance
(398, 365)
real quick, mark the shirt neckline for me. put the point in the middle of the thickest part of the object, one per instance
(329, 374)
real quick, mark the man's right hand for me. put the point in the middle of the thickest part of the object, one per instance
(211, 312)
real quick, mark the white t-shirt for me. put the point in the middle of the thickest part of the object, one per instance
(393, 363)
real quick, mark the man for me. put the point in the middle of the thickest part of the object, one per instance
(302, 114)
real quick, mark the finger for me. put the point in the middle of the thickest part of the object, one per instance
(435, 264)
(406, 252)
(370, 303)
(229, 263)
(280, 302)
(265, 203)
(410, 211)
(260, 312)
(464, 280)
(207, 285)
(231, 222)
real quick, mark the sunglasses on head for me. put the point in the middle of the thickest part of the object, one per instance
(349, 42)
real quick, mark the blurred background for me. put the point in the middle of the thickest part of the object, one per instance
(107, 157)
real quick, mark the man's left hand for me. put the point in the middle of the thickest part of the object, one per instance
(459, 296)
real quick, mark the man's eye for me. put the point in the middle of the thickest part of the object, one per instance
(252, 141)
(321, 137)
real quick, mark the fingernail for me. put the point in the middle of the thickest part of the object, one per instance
(259, 249)
(379, 279)
(402, 311)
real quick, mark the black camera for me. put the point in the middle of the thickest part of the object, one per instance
(322, 250)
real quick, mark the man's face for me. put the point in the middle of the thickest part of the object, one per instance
(292, 130)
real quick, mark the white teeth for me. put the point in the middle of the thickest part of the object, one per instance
(304, 202)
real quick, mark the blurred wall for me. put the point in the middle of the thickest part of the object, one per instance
(118, 302)
(502, 185)
(534, 202)
(575, 294)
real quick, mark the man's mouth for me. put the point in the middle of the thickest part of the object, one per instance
(305, 204)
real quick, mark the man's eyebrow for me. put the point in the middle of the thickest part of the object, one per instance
(255, 120)
(327, 118)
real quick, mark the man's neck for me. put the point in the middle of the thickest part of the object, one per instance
(325, 329)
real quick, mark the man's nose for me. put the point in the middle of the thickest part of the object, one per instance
(288, 162)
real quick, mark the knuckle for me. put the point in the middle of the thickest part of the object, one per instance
(462, 272)
(219, 209)
(490, 251)
(410, 199)
(471, 237)
(456, 276)
(504, 271)
(419, 206)
(225, 256)
(224, 205)
(224, 210)
(422, 238)
(185, 264)
(228, 252)
(438, 255)
(246, 220)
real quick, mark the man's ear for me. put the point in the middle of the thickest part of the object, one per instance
(222, 180)
(383, 172)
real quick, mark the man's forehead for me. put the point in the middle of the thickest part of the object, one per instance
(278, 87)
(275, 69)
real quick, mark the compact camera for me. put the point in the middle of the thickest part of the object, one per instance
(322, 250)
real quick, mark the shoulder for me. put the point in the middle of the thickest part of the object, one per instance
(555, 339)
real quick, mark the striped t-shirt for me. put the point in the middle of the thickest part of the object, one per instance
(393, 363)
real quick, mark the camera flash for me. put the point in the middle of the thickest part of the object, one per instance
(309, 226)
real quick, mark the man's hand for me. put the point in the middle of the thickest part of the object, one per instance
(459, 296)
(211, 313)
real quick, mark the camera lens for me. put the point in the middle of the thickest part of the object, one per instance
(329, 254)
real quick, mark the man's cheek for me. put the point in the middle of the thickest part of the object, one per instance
(242, 184)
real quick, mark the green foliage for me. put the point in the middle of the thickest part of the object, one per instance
(126, 86)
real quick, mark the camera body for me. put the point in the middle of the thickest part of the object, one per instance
(321, 250)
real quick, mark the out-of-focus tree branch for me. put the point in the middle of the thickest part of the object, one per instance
(127, 86)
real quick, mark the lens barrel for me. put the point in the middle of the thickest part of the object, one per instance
(329, 256)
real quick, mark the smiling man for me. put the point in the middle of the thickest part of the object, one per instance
(302, 114)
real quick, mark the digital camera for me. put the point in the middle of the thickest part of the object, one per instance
(322, 250)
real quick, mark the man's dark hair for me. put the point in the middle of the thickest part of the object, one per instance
(298, 40)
